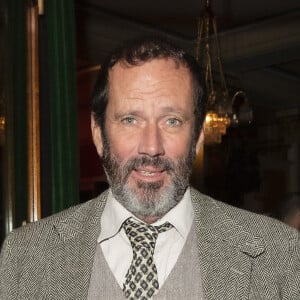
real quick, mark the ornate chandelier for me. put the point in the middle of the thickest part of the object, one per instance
(219, 110)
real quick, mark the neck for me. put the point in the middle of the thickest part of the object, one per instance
(148, 219)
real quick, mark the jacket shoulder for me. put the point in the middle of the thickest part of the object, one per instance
(269, 229)
(41, 231)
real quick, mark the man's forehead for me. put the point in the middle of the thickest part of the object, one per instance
(154, 77)
(151, 76)
(160, 82)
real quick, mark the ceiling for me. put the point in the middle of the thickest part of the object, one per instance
(260, 40)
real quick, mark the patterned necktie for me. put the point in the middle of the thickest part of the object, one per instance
(141, 279)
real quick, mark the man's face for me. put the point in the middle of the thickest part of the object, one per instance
(148, 144)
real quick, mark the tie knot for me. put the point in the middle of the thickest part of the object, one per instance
(143, 235)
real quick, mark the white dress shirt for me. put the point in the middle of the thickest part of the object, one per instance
(116, 246)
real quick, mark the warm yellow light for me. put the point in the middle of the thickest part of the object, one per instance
(2, 123)
(215, 126)
(2, 128)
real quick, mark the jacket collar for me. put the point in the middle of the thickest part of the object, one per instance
(210, 218)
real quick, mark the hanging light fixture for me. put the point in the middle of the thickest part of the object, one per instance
(219, 110)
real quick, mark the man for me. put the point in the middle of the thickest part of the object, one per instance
(147, 116)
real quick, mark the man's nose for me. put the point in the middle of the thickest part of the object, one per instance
(151, 141)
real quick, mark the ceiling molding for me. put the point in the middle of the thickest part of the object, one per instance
(104, 31)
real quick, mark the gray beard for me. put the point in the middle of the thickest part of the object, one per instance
(150, 202)
(148, 199)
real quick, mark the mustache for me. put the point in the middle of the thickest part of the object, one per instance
(147, 161)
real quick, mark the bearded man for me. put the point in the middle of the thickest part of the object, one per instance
(150, 235)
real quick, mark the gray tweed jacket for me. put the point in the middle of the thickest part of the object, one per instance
(242, 255)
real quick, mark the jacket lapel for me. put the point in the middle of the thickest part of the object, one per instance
(226, 251)
(72, 260)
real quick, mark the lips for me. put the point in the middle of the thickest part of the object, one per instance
(149, 169)
(149, 173)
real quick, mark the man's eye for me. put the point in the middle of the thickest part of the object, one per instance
(173, 122)
(128, 121)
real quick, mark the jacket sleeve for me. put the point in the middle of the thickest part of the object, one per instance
(292, 291)
(8, 270)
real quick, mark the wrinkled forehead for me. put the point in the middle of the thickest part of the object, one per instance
(123, 73)
(152, 89)
(157, 73)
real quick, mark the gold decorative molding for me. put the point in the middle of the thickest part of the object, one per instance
(33, 124)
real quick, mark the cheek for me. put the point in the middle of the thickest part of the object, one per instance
(178, 147)
(122, 147)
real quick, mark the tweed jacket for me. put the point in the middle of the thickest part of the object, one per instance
(242, 255)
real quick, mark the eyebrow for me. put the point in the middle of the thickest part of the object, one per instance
(168, 109)
(127, 112)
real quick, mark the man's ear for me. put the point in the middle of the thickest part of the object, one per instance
(200, 141)
(97, 136)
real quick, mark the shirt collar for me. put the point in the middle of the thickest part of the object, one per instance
(114, 214)
(181, 216)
